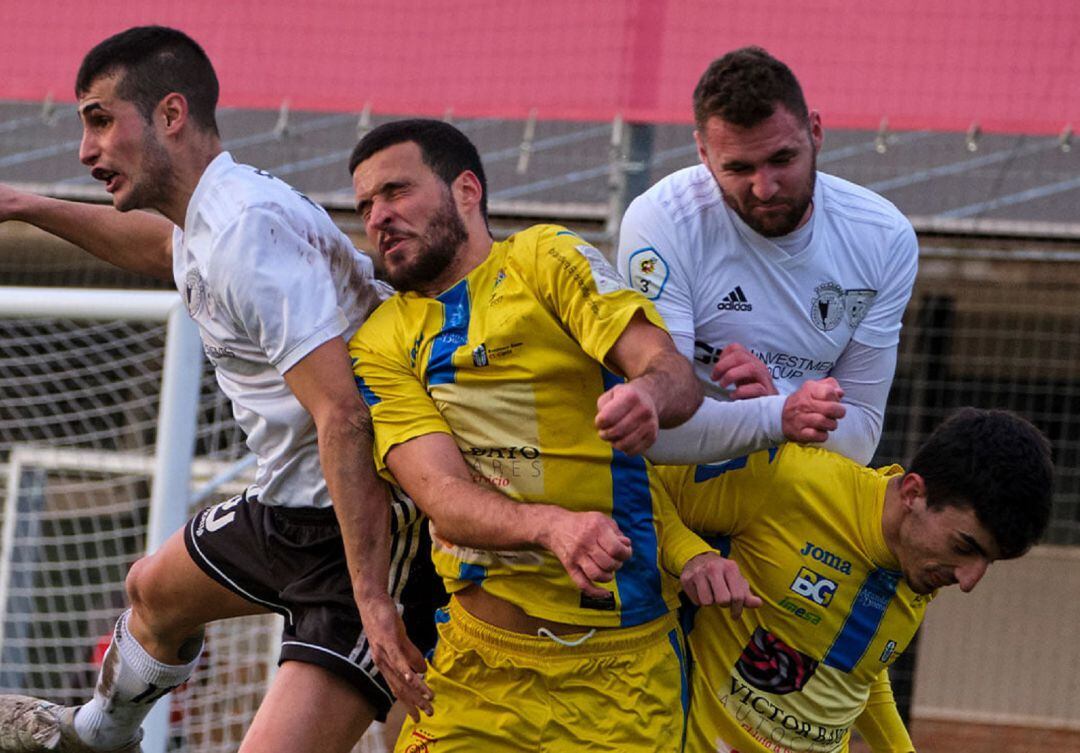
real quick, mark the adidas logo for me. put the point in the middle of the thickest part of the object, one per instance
(735, 301)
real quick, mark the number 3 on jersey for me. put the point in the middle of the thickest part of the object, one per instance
(648, 272)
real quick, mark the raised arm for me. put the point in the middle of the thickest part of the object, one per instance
(137, 241)
(866, 375)
(431, 470)
(661, 390)
(323, 383)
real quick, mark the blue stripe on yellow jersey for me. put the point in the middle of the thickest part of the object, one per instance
(805, 526)
(509, 362)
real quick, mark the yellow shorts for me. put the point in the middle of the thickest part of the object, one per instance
(623, 689)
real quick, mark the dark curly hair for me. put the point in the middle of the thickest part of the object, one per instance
(151, 62)
(444, 149)
(744, 87)
(998, 464)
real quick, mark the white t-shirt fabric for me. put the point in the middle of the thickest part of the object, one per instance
(828, 305)
(268, 277)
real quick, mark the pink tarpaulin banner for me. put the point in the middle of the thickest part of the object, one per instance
(1007, 65)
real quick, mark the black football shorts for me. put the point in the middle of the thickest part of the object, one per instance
(291, 560)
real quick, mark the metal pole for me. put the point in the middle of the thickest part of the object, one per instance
(175, 449)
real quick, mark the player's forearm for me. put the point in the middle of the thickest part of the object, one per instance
(856, 435)
(137, 241)
(468, 514)
(671, 383)
(721, 430)
(865, 373)
(361, 504)
(880, 724)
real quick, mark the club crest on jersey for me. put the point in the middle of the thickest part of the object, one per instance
(856, 303)
(827, 306)
(648, 272)
(479, 355)
(194, 291)
(888, 652)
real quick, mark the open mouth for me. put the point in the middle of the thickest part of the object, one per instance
(389, 242)
(108, 177)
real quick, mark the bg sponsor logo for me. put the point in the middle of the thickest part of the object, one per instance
(817, 588)
(826, 557)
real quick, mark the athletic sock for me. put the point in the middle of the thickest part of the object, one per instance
(129, 684)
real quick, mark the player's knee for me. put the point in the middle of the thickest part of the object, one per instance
(151, 607)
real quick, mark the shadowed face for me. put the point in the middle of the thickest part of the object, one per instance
(409, 214)
(943, 546)
(765, 172)
(121, 149)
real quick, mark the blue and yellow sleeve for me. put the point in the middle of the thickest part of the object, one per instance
(584, 290)
(401, 408)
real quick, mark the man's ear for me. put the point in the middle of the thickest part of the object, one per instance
(467, 191)
(912, 491)
(172, 112)
(817, 133)
(701, 153)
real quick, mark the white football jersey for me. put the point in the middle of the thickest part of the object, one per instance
(268, 277)
(717, 281)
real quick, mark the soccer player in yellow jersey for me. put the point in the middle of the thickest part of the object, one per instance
(511, 387)
(846, 560)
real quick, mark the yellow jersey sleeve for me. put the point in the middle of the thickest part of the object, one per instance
(712, 499)
(394, 394)
(585, 292)
(880, 724)
(678, 544)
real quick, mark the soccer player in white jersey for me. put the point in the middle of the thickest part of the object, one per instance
(773, 278)
(274, 287)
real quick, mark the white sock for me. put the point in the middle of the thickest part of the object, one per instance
(129, 684)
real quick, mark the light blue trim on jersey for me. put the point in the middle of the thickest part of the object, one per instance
(638, 580)
(454, 334)
(863, 621)
(365, 392)
(653, 295)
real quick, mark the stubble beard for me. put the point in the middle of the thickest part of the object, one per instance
(445, 234)
(789, 220)
(155, 184)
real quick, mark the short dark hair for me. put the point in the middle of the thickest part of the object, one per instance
(153, 61)
(444, 149)
(744, 87)
(996, 463)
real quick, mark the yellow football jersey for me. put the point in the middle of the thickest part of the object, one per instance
(805, 527)
(509, 362)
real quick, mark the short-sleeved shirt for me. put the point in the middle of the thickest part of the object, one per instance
(509, 362)
(268, 278)
(717, 281)
(805, 527)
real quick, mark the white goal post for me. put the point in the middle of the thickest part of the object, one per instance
(100, 397)
(112, 433)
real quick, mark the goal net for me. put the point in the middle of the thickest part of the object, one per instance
(103, 395)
